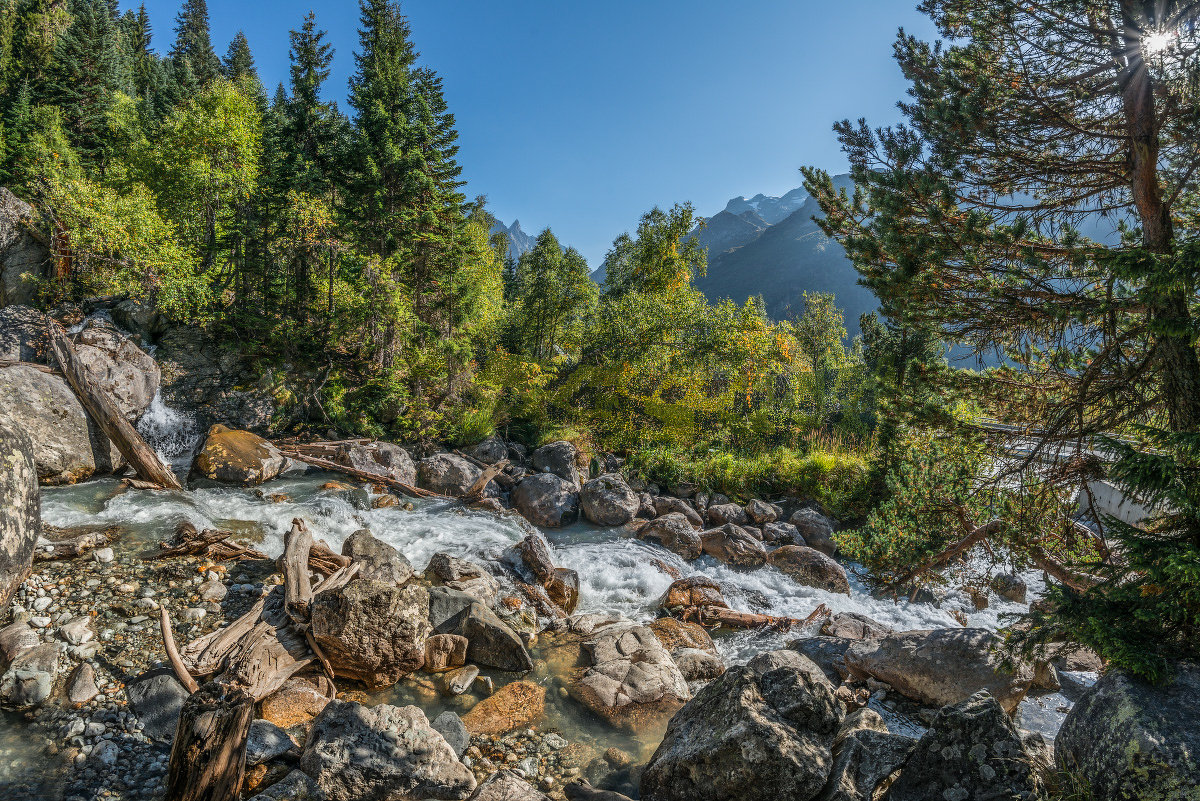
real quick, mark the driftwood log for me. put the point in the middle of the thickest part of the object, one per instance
(104, 411)
(361, 475)
(298, 593)
(720, 616)
(210, 544)
(74, 545)
(503, 479)
(489, 473)
(208, 756)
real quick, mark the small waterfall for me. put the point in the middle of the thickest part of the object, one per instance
(173, 434)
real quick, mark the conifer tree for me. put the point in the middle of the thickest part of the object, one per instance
(84, 77)
(193, 42)
(311, 127)
(238, 63)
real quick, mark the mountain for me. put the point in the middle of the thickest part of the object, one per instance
(519, 242)
(771, 247)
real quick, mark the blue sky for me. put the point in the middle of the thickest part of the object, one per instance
(583, 115)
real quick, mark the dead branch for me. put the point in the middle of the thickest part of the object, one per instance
(173, 656)
(361, 475)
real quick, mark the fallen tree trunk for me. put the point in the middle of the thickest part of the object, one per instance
(717, 615)
(361, 475)
(208, 757)
(503, 479)
(210, 544)
(104, 411)
(297, 545)
(978, 535)
(75, 546)
(480, 486)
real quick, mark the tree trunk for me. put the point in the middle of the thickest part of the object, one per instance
(141, 456)
(208, 757)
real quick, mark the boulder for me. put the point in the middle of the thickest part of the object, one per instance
(697, 665)
(296, 786)
(265, 742)
(827, 653)
(546, 499)
(445, 652)
(450, 726)
(445, 570)
(237, 457)
(761, 732)
(157, 698)
(20, 510)
(561, 584)
(381, 753)
(734, 546)
(972, 751)
(15, 639)
(29, 680)
(762, 512)
(490, 451)
(559, 459)
(507, 785)
(113, 362)
(490, 642)
(677, 634)
(378, 561)
(23, 335)
(816, 529)
(67, 445)
(447, 474)
(140, 318)
(940, 666)
(811, 568)
(697, 591)
(608, 501)
(371, 631)
(1009, 586)
(379, 458)
(513, 706)
(460, 680)
(854, 626)
(81, 684)
(665, 505)
(674, 532)
(723, 513)
(216, 379)
(622, 673)
(297, 702)
(23, 258)
(1130, 740)
(781, 534)
(863, 760)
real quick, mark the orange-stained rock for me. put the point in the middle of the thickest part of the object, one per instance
(674, 634)
(511, 707)
(238, 457)
(297, 702)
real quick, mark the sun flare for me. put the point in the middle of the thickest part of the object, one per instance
(1155, 43)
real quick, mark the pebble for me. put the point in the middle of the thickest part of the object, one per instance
(39, 622)
(194, 614)
(213, 591)
(103, 555)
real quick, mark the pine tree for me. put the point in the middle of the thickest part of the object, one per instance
(84, 77)
(1036, 117)
(239, 61)
(311, 127)
(193, 42)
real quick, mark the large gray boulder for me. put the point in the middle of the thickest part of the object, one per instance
(157, 699)
(972, 752)
(761, 732)
(447, 474)
(490, 642)
(237, 457)
(1131, 740)
(23, 335)
(625, 676)
(722, 513)
(811, 568)
(114, 363)
(490, 451)
(296, 786)
(377, 560)
(546, 499)
(381, 753)
(381, 459)
(23, 258)
(816, 529)
(371, 631)
(68, 446)
(20, 518)
(674, 532)
(734, 546)
(863, 760)
(941, 666)
(665, 505)
(608, 501)
(459, 574)
(558, 458)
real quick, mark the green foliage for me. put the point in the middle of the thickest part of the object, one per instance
(193, 43)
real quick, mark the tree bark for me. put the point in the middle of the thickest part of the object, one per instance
(297, 588)
(208, 757)
(104, 411)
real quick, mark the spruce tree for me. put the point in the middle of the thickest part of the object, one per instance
(84, 77)
(239, 61)
(193, 42)
(311, 127)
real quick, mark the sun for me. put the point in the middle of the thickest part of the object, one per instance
(1155, 43)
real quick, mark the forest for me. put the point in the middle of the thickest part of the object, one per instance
(338, 243)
